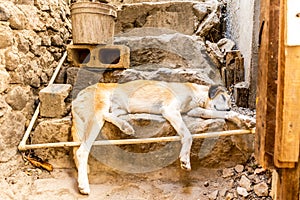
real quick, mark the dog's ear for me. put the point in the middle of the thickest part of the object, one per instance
(214, 90)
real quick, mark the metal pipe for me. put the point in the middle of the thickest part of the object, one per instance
(61, 61)
(37, 110)
(139, 140)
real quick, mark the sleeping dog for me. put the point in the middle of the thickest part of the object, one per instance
(107, 101)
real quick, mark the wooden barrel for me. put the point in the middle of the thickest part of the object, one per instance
(93, 23)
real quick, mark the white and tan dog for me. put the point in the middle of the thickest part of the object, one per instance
(107, 101)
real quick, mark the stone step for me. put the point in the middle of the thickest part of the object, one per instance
(182, 16)
(213, 152)
(52, 100)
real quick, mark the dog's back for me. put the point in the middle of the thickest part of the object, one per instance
(145, 96)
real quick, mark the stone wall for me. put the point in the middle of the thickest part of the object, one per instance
(33, 35)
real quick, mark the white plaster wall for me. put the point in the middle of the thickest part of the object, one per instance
(240, 28)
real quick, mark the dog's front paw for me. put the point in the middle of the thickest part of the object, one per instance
(231, 115)
(234, 117)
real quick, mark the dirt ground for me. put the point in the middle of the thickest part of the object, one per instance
(20, 180)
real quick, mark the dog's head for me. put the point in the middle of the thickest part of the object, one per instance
(218, 98)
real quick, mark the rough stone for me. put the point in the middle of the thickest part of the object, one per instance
(53, 100)
(213, 195)
(171, 15)
(4, 80)
(164, 74)
(71, 74)
(229, 196)
(51, 131)
(11, 60)
(35, 44)
(44, 78)
(244, 143)
(6, 37)
(200, 10)
(11, 132)
(17, 20)
(47, 59)
(32, 79)
(44, 5)
(225, 45)
(18, 97)
(215, 53)
(227, 172)
(23, 43)
(16, 77)
(46, 40)
(33, 18)
(83, 78)
(245, 183)
(208, 23)
(4, 107)
(239, 168)
(242, 191)
(169, 50)
(56, 40)
(261, 189)
(24, 62)
(4, 13)
(223, 192)
(259, 170)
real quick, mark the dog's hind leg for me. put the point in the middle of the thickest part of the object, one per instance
(91, 133)
(175, 119)
(81, 114)
(88, 110)
(123, 125)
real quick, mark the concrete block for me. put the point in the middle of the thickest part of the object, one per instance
(99, 56)
(52, 100)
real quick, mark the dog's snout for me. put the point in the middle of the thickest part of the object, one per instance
(228, 109)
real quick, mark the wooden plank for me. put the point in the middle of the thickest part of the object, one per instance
(293, 23)
(287, 120)
(234, 68)
(261, 98)
(267, 87)
(286, 184)
(241, 93)
(277, 145)
(288, 150)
